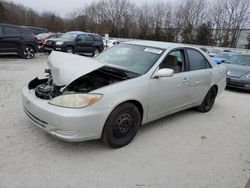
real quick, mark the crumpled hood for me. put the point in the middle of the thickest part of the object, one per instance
(65, 68)
(237, 70)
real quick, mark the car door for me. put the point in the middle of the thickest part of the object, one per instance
(84, 44)
(90, 44)
(168, 94)
(200, 74)
(1, 39)
(80, 40)
(10, 40)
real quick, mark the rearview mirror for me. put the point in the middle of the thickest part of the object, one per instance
(164, 73)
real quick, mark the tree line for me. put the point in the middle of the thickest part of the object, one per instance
(189, 21)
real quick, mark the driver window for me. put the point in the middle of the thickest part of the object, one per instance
(175, 61)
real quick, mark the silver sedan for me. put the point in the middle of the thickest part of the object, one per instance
(112, 95)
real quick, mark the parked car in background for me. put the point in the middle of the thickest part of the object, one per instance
(110, 43)
(223, 56)
(204, 49)
(238, 74)
(36, 30)
(17, 40)
(41, 38)
(213, 52)
(113, 94)
(76, 42)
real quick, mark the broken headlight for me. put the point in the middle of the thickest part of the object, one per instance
(75, 100)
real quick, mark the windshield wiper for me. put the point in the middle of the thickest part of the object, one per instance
(115, 72)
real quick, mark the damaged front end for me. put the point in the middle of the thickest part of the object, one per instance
(104, 76)
(72, 74)
(44, 88)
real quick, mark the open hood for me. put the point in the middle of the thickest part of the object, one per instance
(65, 68)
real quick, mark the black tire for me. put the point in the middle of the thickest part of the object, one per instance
(96, 52)
(208, 101)
(28, 52)
(121, 126)
(70, 50)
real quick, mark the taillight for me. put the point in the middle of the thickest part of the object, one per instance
(34, 36)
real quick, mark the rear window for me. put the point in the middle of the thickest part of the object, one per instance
(97, 38)
(197, 61)
(89, 38)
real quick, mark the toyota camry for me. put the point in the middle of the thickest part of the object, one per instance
(110, 96)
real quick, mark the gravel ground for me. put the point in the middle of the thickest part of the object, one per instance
(187, 149)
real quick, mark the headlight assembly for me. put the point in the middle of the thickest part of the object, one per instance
(59, 43)
(75, 100)
(248, 75)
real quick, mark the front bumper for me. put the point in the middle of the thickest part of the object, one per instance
(238, 83)
(54, 48)
(67, 124)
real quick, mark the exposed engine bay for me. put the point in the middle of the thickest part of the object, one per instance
(46, 89)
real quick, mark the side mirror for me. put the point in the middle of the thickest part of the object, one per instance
(164, 73)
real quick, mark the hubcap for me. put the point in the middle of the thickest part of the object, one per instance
(123, 125)
(69, 50)
(28, 52)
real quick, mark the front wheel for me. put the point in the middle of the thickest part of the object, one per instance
(28, 52)
(121, 126)
(70, 50)
(208, 101)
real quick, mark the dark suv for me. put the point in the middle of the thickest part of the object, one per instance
(76, 42)
(17, 40)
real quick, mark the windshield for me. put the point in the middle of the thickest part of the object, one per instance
(135, 58)
(43, 36)
(226, 56)
(69, 35)
(240, 60)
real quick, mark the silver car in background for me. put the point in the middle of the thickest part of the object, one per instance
(112, 95)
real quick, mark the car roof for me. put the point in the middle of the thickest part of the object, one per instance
(81, 32)
(157, 44)
(12, 25)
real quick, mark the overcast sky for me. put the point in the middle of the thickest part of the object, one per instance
(62, 7)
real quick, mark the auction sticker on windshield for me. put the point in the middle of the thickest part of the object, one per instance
(153, 50)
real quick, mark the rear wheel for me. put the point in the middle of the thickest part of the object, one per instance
(96, 52)
(208, 101)
(28, 52)
(121, 126)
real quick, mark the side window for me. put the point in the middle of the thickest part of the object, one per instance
(82, 37)
(10, 30)
(89, 38)
(175, 60)
(197, 61)
(97, 38)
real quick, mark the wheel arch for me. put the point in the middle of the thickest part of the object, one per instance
(27, 44)
(135, 102)
(216, 87)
